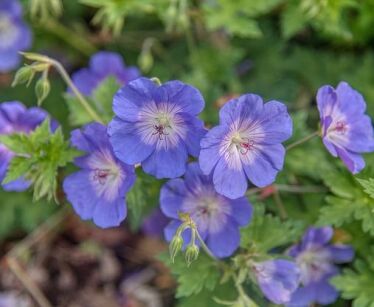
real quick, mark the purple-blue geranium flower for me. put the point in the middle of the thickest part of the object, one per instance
(154, 224)
(346, 130)
(103, 64)
(316, 258)
(277, 279)
(157, 126)
(15, 35)
(217, 218)
(16, 118)
(98, 190)
(246, 144)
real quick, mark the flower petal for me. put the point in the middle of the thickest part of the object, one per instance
(276, 123)
(229, 182)
(341, 253)
(169, 162)
(263, 167)
(81, 194)
(248, 107)
(209, 153)
(225, 242)
(129, 100)
(354, 162)
(110, 214)
(127, 143)
(172, 196)
(185, 96)
(241, 210)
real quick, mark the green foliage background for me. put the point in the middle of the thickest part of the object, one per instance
(280, 49)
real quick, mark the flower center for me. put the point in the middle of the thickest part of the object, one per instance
(243, 144)
(162, 123)
(341, 127)
(101, 175)
(7, 31)
(314, 264)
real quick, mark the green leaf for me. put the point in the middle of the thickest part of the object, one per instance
(368, 186)
(16, 142)
(266, 232)
(47, 152)
(77, 114)
(202, 274)
(357, 284)
(350, 201)
(211, 298)
(142, 197)
(292, 19)
(18, 166)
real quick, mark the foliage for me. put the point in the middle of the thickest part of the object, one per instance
(203, 274)
(350, 202)
(141, 200)
(357, 283)
(266, 232)
(39, 155)
(101, 101)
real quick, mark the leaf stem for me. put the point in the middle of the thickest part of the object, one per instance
(75, 90)
(303, 140)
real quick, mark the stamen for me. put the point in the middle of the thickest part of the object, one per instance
(101, 175)
(160, 130)
(246, 145)
(341, 127)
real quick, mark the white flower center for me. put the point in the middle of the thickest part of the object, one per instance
(106, 175)
(314, 264)
(8, 32)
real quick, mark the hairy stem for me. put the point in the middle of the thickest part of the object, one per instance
(303, 140)
(75, 90)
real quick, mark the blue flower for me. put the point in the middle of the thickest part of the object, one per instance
(16, 118)
(98, 190)
(316, 259)
(15, 35)
(246, 144)
(346, 130)
(157, 126)
(277, 279)
(217, 218)
(103, 64)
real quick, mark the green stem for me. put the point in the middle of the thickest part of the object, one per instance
(68, 36)
(75, 90)
(205, 247)
(303, 140)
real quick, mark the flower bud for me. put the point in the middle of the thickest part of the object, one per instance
(42, 88)
(192, 252)
(23, 75)
(175, 246)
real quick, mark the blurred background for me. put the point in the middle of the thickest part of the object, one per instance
(280, 49)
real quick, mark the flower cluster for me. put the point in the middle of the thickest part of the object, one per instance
(15, 35)
(16, 118)
(217, 217)
(316, 258)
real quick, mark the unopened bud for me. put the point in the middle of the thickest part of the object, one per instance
(175, 246)
(23, 75)
(192, 252)
(35, 57)
(42, 88)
